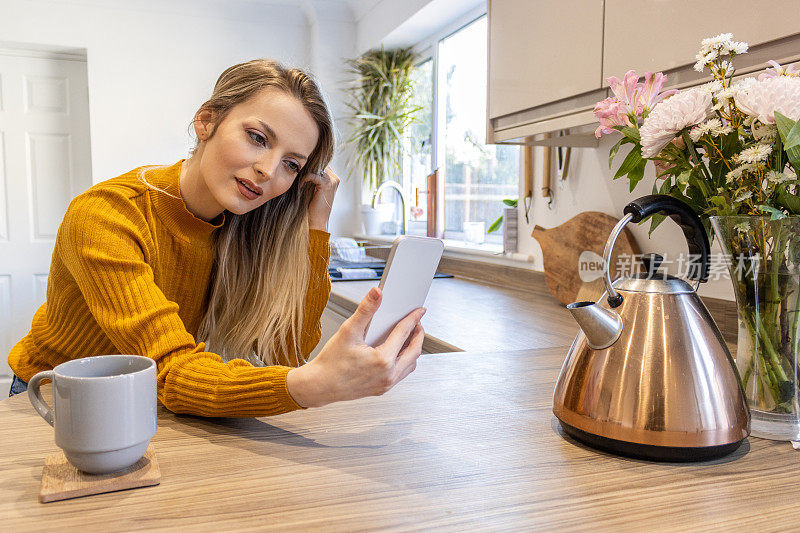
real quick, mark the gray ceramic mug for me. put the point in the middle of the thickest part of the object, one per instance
(104, 409)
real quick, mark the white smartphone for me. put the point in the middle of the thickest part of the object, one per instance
(406, 279)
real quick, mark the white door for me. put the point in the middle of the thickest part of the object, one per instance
(44, 162)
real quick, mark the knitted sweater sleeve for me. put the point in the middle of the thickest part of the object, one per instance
(102, 243)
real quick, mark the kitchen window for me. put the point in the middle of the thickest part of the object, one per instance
(474, 178)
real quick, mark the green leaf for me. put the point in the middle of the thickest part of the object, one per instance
(636, 175)
(655, 221)
(630, 132)
(787, 200)
(775, 214)
(510, 203)
(788, 129)
(790, 136)
(633, 158)
(614, 149)
(495, 225)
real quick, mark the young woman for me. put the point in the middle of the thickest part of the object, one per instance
(229, 247)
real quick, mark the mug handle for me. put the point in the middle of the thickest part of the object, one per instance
(35, 396)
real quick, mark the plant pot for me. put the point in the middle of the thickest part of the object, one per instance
(510, 229)
(763, 257)
(371, 219)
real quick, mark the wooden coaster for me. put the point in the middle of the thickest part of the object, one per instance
(61, 480)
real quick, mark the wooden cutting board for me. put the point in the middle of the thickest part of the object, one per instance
(573, 255)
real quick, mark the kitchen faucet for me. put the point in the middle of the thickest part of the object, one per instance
(393, 185)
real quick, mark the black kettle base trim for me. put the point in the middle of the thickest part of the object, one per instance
(672, 454)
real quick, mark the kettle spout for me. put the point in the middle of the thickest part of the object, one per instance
(601, 326)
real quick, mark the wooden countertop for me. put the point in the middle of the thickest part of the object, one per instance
(471, 316)
(466, 442)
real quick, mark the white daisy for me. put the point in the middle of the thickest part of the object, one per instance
(713, 86)
(722, 130)
(704, 128)
(737, 48)
(776, 178)
(725, 94)
(756, 153)
(737, 172)
(716, 42)
(764, 132)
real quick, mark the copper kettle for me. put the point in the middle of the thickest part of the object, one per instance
(649, 374)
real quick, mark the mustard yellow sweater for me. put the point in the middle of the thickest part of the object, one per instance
(129, 275)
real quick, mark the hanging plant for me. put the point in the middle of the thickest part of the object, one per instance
(381, 111)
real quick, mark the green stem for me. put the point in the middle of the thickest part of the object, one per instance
(761, 343)
(772, 355)
(696, 158)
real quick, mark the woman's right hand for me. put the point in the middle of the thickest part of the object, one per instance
(347, 368)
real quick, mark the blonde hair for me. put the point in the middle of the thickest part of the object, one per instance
(261, 270)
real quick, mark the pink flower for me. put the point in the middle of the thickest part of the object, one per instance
(668, 118)
(649, 94)
(610, 112)
(631, 100)
(626, 89)
(760, 100)
(778, 70)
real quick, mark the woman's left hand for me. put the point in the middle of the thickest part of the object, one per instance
(319, 210)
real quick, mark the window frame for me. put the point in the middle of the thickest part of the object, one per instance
(428, 49)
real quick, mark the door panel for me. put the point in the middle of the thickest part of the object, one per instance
(44, 163)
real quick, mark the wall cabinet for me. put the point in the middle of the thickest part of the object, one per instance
(654, 35)
(545, 64)
(548, 59)
(530, 37)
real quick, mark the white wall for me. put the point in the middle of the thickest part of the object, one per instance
(151, 63)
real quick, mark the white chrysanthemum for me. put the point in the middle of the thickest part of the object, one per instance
(722, 130)
(726, 94)
(744, 84)
(765, 132)
(756, 153)
(712, 43)
(737, 172)
(742, 196)
(776, 178)
(713, 86)
(669, 117)
(761, 99)
(737, 48)
(704, 128)
(704, 58)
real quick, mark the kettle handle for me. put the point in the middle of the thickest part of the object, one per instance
(687, 219)
(682, 214)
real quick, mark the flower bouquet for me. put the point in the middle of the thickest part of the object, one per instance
(731, 150)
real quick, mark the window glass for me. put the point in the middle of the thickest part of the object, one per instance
(477, 176)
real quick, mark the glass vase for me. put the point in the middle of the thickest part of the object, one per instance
(762, 256)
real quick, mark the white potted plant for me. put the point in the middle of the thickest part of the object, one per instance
(381, 111)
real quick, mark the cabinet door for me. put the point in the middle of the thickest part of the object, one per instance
(658, 35)
(541, 51)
